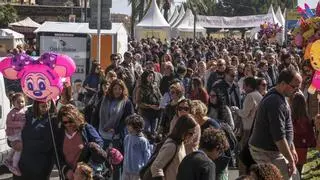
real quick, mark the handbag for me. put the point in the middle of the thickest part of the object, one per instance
(145, 172)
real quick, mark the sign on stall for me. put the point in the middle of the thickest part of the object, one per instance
(74, 46)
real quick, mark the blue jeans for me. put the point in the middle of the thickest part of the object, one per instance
(151, 125)
(151, 121)
(117, 169)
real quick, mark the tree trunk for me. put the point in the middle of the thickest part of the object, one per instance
(194, 26)
(166, 8)
(165, 14)
(133, 18)
(141, 9)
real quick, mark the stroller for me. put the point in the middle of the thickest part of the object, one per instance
(102, 161)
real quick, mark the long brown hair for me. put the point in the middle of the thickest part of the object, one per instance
(72, 113)
(36, 109)
(183, 126)
(298, 107)
(123, 86)
(67, 92)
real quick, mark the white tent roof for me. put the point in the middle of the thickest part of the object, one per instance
(27, 22)
(79, 28)
(284, 13)
(275, 19)
(171, 10)
(153, 18)
(179, 18)
(186, 24)
(174, 16)
(280, 17)
(8, 33)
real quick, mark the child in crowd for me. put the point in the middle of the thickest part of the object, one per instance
(15, 123)
(83, 172)
(136, 148)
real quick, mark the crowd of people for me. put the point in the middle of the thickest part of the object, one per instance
(188, 109)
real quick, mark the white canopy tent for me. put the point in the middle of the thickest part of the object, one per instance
(281, 36)
(185, 27)
(9, 39)
(172, 10)
(179, 18)
(274, 17)
(278, 19)
(174, 16)
(153, 24)
(27, 22)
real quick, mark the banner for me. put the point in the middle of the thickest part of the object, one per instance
(292, 18)
(234, 22)
(161, 34)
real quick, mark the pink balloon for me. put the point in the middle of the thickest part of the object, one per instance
(298, 40)
(316, 80)
(40, 79)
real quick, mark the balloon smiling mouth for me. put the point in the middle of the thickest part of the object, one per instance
(38, 95)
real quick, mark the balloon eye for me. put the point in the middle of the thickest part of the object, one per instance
(42, 86)
(30, 86)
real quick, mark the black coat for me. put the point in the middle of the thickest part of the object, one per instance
(230, 94)
(37, 156)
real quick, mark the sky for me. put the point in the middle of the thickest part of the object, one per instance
(121, 6)
(311, 3)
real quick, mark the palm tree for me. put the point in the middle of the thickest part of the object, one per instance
(140, 7)
(166, 7)
(195, 6)
(134, 15)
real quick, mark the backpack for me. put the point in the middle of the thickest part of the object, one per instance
(145, 172)
(232, 139)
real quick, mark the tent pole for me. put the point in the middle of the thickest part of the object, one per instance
(99, 31)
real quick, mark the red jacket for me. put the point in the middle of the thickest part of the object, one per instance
(304, 135)
(202, 96)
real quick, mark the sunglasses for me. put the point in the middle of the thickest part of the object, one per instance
(180, 108)
(263, 84)
(213, 95)
(67, 122)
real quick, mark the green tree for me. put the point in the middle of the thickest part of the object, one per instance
(8, 14)
(241, 7)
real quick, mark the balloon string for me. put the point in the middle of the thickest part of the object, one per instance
(55, 148)
(318, 104)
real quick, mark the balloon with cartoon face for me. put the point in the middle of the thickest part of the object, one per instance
(315, 84)
(40, 79)
(315, 55)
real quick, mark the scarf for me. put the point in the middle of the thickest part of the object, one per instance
(111, 112)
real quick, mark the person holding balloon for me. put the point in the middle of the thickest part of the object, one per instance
(41, 80)
(37, 154)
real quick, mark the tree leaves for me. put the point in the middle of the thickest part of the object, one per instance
(237, 7)
(8, 14)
